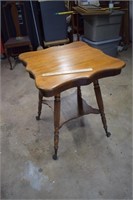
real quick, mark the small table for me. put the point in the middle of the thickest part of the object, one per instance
(57, 69)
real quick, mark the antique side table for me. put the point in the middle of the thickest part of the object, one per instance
(59, 68)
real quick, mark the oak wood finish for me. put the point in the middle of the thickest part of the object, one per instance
(56, 124)
(75, 56)
(100, 105)
(57, 42)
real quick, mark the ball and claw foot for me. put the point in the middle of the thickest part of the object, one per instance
(108, 134)
(37, 118)
(55, 157)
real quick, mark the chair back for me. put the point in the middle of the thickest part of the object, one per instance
(15, 19)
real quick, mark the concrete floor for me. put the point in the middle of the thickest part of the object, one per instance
(90, 165)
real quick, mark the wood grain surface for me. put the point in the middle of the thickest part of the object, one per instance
(74, 56)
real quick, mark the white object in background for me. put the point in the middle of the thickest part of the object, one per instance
(89, 2)
(83, 2)
(111, 5)
(94, 2)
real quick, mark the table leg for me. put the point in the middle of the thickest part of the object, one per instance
(100, 105)
(79, 101)
(40, 96)
(56, 124)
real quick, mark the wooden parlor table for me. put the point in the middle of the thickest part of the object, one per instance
(59, 68)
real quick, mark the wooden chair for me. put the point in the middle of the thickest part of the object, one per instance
(17, 29)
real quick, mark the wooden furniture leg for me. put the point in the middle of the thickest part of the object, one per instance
(56, 124)
(8, 57)
(100, 105)
(79, 101)
(39, 105)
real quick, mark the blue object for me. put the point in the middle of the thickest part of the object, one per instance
(109, 47)
(54, 26)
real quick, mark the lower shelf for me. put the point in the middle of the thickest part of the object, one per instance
(72, 107)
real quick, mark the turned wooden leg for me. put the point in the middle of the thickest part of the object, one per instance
(40, 96)
(100, 105)
(11, 68)
(8, 57)
(79, 101)
(56, 124)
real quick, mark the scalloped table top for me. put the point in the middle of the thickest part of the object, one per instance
(58, 68)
